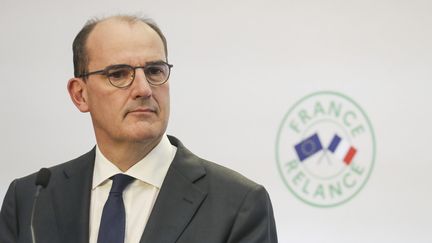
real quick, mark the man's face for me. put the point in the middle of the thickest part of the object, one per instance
(140, 112)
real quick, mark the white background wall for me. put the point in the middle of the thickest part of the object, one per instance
(238, 67)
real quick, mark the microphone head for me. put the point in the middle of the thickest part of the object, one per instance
(43, 177)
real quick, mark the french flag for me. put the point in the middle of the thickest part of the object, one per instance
(342, 149)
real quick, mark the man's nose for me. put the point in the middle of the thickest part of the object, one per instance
(140, 86)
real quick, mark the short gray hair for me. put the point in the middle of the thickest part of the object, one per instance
(80, 55)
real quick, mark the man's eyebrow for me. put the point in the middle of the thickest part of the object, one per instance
(125, 64)
(156, 62)
(116, 65)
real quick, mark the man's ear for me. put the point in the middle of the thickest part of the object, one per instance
(78, 92)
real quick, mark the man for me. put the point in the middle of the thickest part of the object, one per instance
(163, 193)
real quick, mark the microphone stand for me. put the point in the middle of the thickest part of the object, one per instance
(42, 180)
(36, 196)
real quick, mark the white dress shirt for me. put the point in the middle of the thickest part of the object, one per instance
(139, 197)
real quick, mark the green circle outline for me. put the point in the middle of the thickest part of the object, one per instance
(373, 147)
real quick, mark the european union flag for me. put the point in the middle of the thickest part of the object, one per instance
(308, 147)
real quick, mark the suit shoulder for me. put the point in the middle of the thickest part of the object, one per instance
(58, 170)
(209, 174)
(193, 167)
(227, 177)
(231, 190)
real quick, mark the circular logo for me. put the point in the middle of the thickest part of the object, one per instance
(325, 149)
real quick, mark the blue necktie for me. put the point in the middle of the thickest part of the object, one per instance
(113, 222)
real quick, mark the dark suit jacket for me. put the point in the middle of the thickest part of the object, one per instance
(199, 202)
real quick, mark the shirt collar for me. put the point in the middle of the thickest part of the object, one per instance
(151, 169)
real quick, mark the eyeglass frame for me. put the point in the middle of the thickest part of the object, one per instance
(104, 72)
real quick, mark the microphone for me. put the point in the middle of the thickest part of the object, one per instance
(42, 180)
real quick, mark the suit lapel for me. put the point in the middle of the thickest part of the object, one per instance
(178, 200)
(71, 199)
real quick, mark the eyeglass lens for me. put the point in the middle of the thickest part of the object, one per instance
(123, 75)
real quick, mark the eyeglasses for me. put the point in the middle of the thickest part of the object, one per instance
(122, 75)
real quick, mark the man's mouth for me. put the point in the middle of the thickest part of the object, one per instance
(142, 111)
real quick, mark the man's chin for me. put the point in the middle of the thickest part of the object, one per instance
(145, 134)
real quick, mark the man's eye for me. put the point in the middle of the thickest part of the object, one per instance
(155, 70)
(118, 74)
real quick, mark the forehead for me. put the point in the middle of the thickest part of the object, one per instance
(114, 41)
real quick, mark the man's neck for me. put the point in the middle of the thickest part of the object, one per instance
(126, 155)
